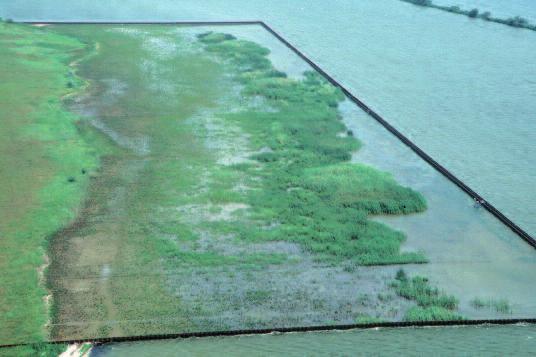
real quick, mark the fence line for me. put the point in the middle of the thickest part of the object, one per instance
(488, 206)
(169, 336)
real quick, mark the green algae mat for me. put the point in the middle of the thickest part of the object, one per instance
(163, 179)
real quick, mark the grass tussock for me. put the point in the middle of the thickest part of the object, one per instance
(310, 193)
(432, 304)
(367, 319)
(431, 313)
(498, 305)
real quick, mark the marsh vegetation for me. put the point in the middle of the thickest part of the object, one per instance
(432, 304)
(309, 192)
(190, 169)
(498, 305)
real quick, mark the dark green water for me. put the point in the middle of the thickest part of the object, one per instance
(518, 340)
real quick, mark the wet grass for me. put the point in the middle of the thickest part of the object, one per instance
(309, 192)
(35, 350)
(431, 313)
(432, 304)
(498, 305)
(46, 166)
(366, 319)
(301, 186)
(132, 224)
(148, 162)
(139, 242)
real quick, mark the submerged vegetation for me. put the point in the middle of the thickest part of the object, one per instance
(432, 304)
(516, 21)
(309, 193)
(499, 305)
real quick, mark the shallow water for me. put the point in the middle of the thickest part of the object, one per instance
(450, 341)
(471, 253)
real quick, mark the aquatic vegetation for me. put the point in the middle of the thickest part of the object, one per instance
(419, 290)
(297, 187)
(308, 187)
(163, 180)
(366, 319)
(131, 225)
(431, 313)
(499, 305)
(432, 304)
(516, 21)
(215, 37)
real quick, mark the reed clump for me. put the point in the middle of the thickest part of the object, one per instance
(309, 188)
(432, 304)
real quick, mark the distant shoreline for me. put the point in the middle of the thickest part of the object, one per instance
(516, 21)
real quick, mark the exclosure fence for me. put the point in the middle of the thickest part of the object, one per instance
(169, 336)
(474, 195)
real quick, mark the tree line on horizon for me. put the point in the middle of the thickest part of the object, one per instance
(516, 21)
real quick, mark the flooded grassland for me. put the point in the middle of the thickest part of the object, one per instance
(214, 191)
(226, 195)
